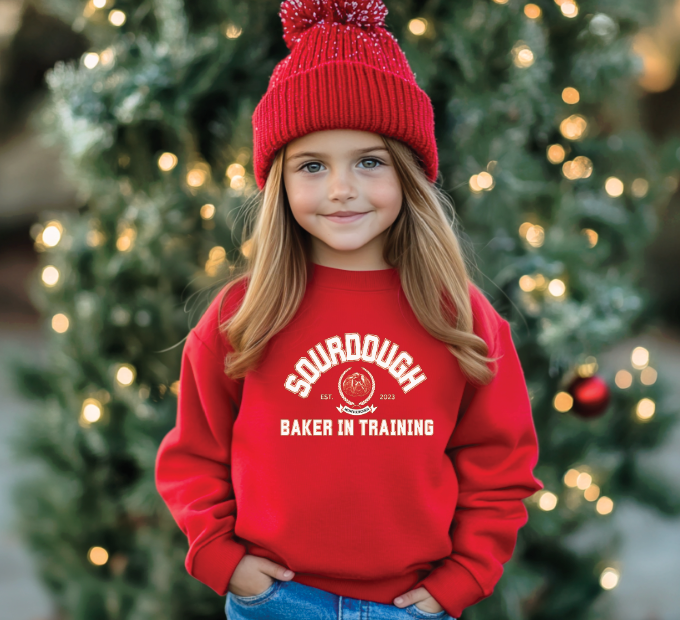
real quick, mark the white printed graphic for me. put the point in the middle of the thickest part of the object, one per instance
(369, 349)
(356, 385)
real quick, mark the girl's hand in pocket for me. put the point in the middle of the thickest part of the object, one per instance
(253, 575)
(419, 595)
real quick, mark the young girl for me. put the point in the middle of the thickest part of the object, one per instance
(354, 437)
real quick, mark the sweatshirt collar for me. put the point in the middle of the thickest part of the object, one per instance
(374, 280)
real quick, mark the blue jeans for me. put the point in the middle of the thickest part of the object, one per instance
(290, 600)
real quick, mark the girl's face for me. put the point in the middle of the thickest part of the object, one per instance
(344, 191)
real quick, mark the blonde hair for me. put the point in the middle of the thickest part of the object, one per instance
(421, 243)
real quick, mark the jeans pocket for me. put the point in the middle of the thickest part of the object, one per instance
(421, 613)
(257, 599)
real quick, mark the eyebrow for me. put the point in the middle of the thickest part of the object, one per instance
(356, 152)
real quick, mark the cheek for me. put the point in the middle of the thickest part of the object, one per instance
(302, 197)
(387, 197)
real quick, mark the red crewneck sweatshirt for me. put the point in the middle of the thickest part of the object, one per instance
(344, 456)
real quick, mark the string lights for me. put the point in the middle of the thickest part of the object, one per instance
(569, 8)
(50, 276)
(198, 174)
(483, 181)
(167, 161)
(581, 479)
(207, 211)
(545, 499)
(98, 556)
(639, 360)
(60, 323)
(418, 26)
(574, 127)
(94, 237)
(174, 388)
(522, 56)
(591, 236)
(532, 11)
(216, 257)
(645, 409)
(90, 60)
(639, 188)
(232, 31)
(52, 233)
(126, 237)
(125, 374)
(236, 174)
(570, 95)
(613, 186)
(580, 167)
(556, 153)
(533, 234)
(117, 18)
(91, 410)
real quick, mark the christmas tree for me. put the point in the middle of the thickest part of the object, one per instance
(557, 189)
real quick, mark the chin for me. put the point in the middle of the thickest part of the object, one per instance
(339, 246)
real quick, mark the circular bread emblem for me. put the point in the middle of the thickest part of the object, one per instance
(357, 387)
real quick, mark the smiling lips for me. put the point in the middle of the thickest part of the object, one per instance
(345, 217)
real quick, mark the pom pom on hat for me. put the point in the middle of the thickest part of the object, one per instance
(297, 16)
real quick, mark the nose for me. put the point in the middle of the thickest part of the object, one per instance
(341, 187)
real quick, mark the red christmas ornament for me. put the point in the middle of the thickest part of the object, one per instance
(591, 396)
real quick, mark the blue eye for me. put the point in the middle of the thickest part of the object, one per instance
(316, 163)
(311, 163)
(373, 159)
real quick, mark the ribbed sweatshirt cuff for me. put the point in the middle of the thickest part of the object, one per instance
(215, 563)
(453, 587)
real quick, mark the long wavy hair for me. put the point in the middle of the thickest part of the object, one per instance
(422, 243)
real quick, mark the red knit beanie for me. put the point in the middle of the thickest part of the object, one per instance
(344, 71)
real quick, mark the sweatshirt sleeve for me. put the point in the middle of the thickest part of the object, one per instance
(494, 449)
(193, 466)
